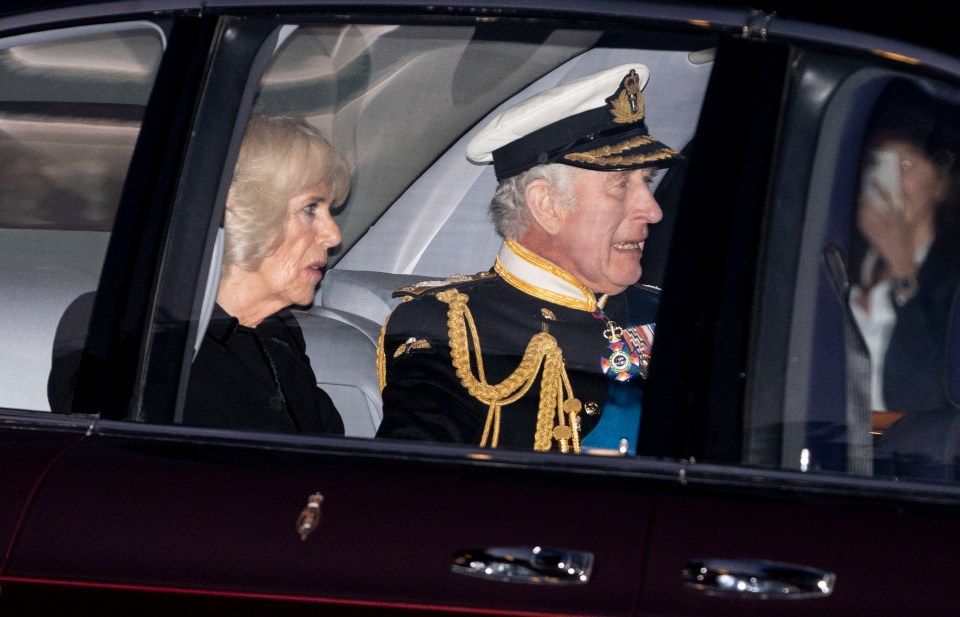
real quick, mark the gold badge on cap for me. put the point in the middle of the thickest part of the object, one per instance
(626, 105)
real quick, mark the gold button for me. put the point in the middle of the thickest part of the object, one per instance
(548, 314)
(591, 408)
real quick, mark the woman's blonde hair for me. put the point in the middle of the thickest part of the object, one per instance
(279, 157)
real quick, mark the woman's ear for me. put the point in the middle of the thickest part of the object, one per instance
(543, 206)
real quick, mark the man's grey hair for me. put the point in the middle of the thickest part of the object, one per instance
(508, 209)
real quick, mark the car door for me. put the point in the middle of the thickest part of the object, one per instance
(72, 104)
(157, 506)
(788, 489)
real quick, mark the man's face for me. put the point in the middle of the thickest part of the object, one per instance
(601, 241)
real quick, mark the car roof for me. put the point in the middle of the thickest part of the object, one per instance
(918, 25)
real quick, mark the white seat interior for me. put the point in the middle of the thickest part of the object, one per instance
(342, 349)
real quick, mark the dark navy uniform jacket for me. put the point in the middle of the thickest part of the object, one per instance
(914, 368)
(423, 397)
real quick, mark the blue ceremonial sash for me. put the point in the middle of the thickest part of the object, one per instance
(620, 419)
(624, 404)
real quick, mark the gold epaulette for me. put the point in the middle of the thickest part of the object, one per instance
(424, 286)
(409, 292)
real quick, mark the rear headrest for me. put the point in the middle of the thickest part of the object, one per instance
(364, 292)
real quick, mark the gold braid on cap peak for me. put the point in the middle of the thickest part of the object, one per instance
(557, 415)
(610, 155)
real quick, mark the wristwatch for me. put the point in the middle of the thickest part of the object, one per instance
(904, 289)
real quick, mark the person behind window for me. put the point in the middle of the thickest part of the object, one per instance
(905, 281)
(548, 349)
(251, 371)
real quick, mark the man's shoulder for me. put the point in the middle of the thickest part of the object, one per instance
(430, 288)
(421, 311)
(644, 292)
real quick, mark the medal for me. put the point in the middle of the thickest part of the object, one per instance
(641, 338)
(622, 363)
(626, 358)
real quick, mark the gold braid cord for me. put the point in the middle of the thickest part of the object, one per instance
(557, 414)
(382, 357)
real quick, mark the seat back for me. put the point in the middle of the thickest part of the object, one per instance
(365, 293)
(342, 348)
(342, 330)
(41, 272)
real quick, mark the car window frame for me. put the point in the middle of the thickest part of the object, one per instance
(221, 110)
(678, 462)
(44, 27)
(111, 361)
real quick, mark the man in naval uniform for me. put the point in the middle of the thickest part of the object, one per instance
(547, 350)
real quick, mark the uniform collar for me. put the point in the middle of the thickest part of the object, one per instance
(542, 279)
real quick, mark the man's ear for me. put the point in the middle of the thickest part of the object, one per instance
(543, 206)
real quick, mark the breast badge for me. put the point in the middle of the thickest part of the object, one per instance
(628, 353)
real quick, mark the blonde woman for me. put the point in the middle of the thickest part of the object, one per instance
(251, 371)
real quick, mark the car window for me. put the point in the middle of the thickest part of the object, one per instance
(868, 376)
(400, 101)
(382, 89)
(71, 103)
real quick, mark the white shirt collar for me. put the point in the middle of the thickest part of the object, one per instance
(541, 278)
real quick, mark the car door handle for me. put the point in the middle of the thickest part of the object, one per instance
(756, 578)
(532, 565)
